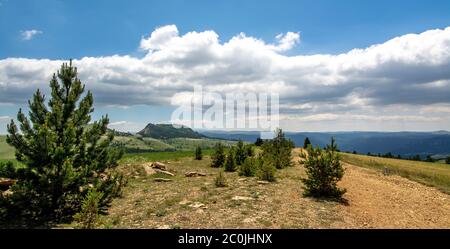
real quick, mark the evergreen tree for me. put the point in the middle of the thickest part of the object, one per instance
(306, 143)
(249, 150)
(259, 142)
(266, 171)
(240, 153)
(62, 155)
(218, 156)
(249, 167)
(278, 150)
(230, 163)
(429, 159)
(198, 153)
(323, 170)
(447, 160)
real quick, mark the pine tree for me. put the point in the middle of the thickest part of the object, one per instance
(266, 171)
(220, 180)
(230, 163)
(323, 170)
(249, 167)
(240, 153)
(218, 156)
(259, 142)
(447, 160)
(198, 153)
(306, 143)
(62, 155)
(278, 150)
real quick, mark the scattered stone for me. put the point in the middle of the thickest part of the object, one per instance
(162, 180)
(8, 192)
(6, 182)
(149, 170)
(194, 174)
(263, 182)
(158, 165)
(164, 227)
(197, 205)
(165, 172)
(249, 220)
(184, 202)
(241, 198)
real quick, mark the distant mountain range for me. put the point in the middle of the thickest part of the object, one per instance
(165, 131)
(398, 143)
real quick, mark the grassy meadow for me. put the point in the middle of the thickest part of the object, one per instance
(431, 174)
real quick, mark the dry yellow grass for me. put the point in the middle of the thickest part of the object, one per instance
(432, 174)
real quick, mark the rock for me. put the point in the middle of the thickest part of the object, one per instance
(194, 174)
(165, 172)
(159, 165)
(164, 227)
(184, 202)
(162, 180)
(149, 170)
(249, 220)
(6, 182)
(263, 182)
(197, 205)
(241, 198)
(7, 193)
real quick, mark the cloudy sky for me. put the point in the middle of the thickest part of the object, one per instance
(337, 65)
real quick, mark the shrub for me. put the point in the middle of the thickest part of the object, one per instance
(259, 142)
(240, 153)
(62, 152)
(220, 180)
(249, 167)
(218, 156)
(278, 150)
(249, 150)
(230, 165)
(323, 170)
(87, 218)
(306, 143)
(198, 153)
(266, 171)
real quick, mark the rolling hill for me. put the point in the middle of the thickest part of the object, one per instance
(166, 131)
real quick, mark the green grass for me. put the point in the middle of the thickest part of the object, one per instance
(135, 144)
(6, 151)
(159, 156)
(431, 174)
(189, 144)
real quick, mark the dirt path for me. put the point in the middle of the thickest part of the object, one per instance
(378, 201)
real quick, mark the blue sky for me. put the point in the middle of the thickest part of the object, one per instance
(59, 30)
(74, 29)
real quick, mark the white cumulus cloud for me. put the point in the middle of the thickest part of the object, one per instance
(29, 34)
(401, 76)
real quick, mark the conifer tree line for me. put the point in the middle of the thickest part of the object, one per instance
(276, 154)
(64, 155)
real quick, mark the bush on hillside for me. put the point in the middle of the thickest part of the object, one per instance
(249, 167)
(323, 170)
(218, 156)
(278, 150)
(230, 163)
(198, 153)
